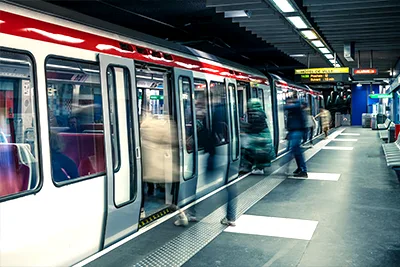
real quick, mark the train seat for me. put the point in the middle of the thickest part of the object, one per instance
(14, 176)
(86, 150)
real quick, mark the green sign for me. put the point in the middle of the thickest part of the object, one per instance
(156, 97)
(375, 96)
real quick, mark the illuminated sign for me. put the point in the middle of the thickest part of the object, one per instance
(156, 97)
(365, 71)
(321, 78)
(343, 70)
(375, 96)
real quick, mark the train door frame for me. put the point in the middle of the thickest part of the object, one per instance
(234, 160)
(123, 219)
(187, 185)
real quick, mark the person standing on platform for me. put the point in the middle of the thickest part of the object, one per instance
(325, 120)
(296, 126)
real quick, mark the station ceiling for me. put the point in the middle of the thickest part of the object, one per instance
(265, 39)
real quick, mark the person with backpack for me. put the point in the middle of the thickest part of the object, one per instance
(257, 146)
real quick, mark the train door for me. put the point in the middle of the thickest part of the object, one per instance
(121, 129)
(234, 148)
(187, 135)
(242, 93)
(264, 92)
(158, 134)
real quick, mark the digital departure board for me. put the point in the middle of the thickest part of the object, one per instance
(321, 78)
(322, 75)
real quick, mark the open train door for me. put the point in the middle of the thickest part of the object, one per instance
(187, 135)
(121, 131)
(234, 149)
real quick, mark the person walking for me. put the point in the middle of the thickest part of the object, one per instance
(295, 126)
(325, 120)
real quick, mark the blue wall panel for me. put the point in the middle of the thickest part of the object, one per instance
(358, 103)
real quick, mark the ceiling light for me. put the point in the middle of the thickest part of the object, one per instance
(337, 65)
(309, 34)
(324, 50)
(298, 55)
(332, 61)
(359, 85)
(298, 22)
(284, 5)
(237, 14)
(317, 43)
(328, 56)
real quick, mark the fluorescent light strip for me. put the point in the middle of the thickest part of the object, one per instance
(298, 55)
(309, 34)
(328, 56)
(284, 6)
(298, 22)
(317, 43)
(324, 50)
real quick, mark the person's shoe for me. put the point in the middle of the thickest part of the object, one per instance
(182, 220)
(192, 218)
(297, 171)
(142, 214)
(301, 175)
(226, 222)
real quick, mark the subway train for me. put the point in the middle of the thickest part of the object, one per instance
(100, 123)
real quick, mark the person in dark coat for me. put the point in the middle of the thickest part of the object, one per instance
(296, 125)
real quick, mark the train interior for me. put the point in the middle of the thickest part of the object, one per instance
(18, 145)
(157, 131)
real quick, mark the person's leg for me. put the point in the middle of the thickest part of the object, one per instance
(298, 153)
(311, 132)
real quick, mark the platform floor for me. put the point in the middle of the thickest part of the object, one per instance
(347, 213)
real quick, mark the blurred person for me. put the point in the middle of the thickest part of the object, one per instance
(3, 138)
(73, 124)
(63, 168)
(231, 208)
(309, 125)
(257, 147)
(325, 120)
(295, 126)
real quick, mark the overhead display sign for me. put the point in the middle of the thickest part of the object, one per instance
(375, 96)
(365, 71)
(321, 78)
(344, 70)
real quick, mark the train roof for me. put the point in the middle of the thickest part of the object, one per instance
(84, 20)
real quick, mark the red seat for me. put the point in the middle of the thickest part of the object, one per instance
(14, 176)
(86, 150)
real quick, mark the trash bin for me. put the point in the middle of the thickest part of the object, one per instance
(346, 121)
(366, 120)
(374, 122)
(392, 130)
(338, 119)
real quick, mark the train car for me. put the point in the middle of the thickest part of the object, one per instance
(97, 126)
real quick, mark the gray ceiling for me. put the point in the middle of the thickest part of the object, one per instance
(266, 39)
(371, 25)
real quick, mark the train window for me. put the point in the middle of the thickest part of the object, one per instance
(261, 97)
(121, 120)
(234, 121)
(75, 117)
(186, 90)
(219, 112)
(18, 133)
(202, 115)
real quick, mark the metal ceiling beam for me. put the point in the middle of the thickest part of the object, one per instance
(357, 19)
(372, 36)
(337, 2)
(217, 3)
(260, 6)
(345, 7)
(358, 38)
(357, 24)
(383, 29)
(364, 13)
(266, 28)
(262, 23)
(261, 18)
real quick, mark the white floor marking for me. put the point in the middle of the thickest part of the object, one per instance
(338, 147)
(320, 176)
(345, 140)
(273, 226)
(349, 134)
